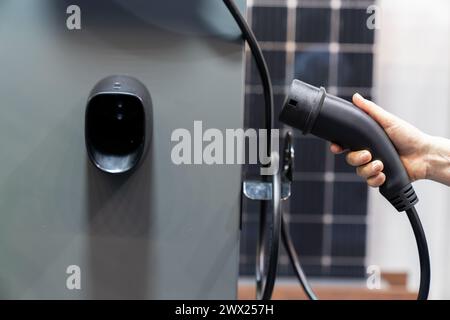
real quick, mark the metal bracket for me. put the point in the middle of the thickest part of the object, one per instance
(257, 190)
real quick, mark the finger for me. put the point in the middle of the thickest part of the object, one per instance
(377, 181)
(371, 169)
(358, 158)
(336, 149)
(384, 118)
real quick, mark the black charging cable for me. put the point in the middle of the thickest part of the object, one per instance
(265, 281)
(295, 260)
(425, 273)
(288, 177)
(424, 256)
(288, 169)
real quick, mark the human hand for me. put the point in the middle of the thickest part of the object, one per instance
(411, 144)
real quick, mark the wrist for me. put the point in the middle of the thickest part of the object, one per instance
(418, 160)
(427, 155)
(437, 158)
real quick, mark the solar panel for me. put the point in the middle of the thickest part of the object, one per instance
(325, 43)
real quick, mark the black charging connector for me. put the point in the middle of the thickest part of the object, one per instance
(313, 111)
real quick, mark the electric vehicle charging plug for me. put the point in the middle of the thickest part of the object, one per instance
(312, 110)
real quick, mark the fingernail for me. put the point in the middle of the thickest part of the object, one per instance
(376, 166)
(364, 156)
(358, 96)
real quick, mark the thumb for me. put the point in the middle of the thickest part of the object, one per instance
(384, 118)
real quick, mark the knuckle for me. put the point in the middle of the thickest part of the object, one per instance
(365, 171)
(358, 158)
(351, 158)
